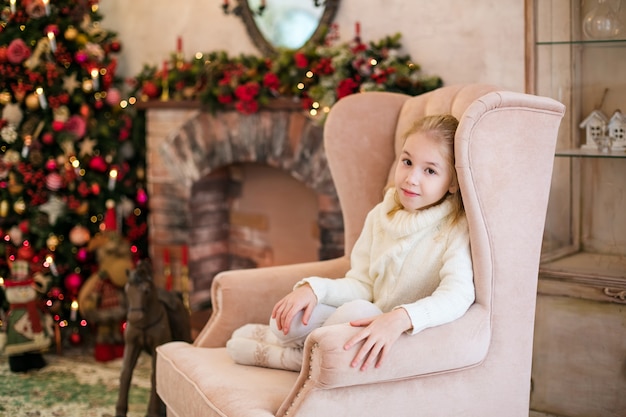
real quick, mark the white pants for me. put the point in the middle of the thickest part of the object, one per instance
(323, 315)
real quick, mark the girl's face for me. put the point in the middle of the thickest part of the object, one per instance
(423, 175)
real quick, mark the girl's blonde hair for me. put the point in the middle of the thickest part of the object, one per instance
(443, 128)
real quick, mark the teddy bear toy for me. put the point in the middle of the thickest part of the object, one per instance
(29, 328)
(101, 299)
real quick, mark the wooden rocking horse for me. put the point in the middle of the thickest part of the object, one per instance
(155, 316)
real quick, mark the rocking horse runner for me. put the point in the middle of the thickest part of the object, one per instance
(155, 316)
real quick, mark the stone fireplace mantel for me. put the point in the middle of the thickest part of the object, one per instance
(191, 187)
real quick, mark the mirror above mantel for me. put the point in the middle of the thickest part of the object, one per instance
(289, 24)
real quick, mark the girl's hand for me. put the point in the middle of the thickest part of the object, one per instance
(379, 334)
(302, 298)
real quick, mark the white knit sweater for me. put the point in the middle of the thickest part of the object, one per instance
(416, 261)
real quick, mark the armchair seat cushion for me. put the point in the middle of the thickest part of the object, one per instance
(224, 388)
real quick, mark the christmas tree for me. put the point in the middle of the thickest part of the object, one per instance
(69, 150)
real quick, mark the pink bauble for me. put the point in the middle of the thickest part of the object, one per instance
(82, 254)
(54, 181)
(113, 97)
(51, 165)
(81, 57)
(79, 235)
(142, 197)
(73, 282)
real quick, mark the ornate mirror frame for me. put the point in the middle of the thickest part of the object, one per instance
(330, 10)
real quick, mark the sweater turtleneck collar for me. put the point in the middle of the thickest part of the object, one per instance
(403, 223)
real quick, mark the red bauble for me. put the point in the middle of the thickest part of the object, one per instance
(150, 89)
(47, 138)
(98, 163)
(26, 253)
(116, 46)
(75, 338)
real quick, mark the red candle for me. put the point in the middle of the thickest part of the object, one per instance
(164, 74)
(357, 29)
(166, 257)
(179, 44)
(185, 255)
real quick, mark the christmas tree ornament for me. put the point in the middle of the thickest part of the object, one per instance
(82, 255)
(51, 165)
(52, 242)
(73, 282)
(61, 114)
(68, 148)
(142, 197)
(32, 101)
(8, 134)
(79, 235)
(19, 206)
(113, 97)
(87, 147)
(54, 181)
(47, 138)
(54, 208)
(70, 83)
(110, 216)
(13, 114)
(5, 98)
(82, 209)
(70, 33)
(14, 186)
(87, 85)
(98, 164)
(26, 252)
(16, 235)
(4, 208)
(75, 337)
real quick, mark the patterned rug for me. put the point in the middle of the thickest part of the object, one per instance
(72, 385)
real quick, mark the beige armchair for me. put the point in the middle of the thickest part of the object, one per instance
(476, 366)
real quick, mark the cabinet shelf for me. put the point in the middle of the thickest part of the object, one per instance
(589, 153)
(599, 42)
(588, 268)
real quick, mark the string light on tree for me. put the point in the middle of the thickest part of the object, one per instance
(43, 103)
(112, 178)
(53, 42)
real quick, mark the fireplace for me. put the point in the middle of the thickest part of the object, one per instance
(220, 186)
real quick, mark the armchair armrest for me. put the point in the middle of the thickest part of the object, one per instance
(248, 295)
(451, 347)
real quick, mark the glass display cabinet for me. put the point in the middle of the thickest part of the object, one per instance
(576, 53)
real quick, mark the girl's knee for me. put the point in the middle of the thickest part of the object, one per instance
(353, 310)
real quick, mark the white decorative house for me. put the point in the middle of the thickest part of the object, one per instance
(617, 131)
(595, 127)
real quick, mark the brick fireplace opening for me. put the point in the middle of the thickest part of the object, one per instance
(237, 191)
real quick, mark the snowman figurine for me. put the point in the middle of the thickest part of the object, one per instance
(28, 329)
